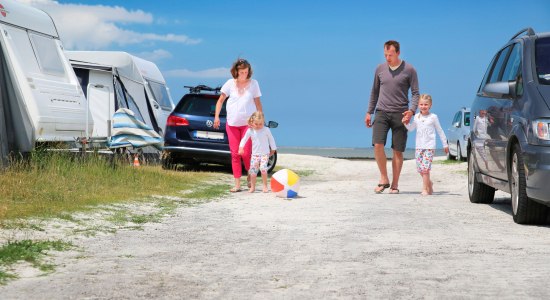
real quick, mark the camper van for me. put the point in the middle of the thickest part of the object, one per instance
(113, 80)
(41, 98)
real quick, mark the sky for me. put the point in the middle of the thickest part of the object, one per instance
(314, 60)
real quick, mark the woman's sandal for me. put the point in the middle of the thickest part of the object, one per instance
(394, 191)
(383, 187)
(235, 190)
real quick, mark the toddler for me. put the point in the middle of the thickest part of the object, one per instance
(426, 125)
(263, 146)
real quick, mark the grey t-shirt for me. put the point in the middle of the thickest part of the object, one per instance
(390, 90)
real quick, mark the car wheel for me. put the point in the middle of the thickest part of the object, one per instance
(524, 210)
(478, 192)
(459, 156)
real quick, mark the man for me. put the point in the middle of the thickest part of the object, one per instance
(390, 98)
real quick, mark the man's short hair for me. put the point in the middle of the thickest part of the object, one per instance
(393, 43)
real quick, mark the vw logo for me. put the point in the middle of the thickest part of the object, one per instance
(209, 123)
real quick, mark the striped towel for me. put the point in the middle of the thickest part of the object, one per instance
(131, 132)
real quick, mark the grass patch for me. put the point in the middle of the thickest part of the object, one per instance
(208, 192)
(29, 251)
(57, 184)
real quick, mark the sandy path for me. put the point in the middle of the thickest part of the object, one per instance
(339, 240)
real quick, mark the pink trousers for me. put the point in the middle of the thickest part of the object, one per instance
(235, 134)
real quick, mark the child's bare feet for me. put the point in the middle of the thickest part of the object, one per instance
(265, 189)
(424, 193)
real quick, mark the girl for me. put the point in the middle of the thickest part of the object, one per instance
(426, 124)
(244, 99)
(263, 146)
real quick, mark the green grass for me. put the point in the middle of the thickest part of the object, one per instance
(57, 184)
(29, 251)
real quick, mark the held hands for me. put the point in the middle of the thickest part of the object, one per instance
(407, 117)
(446, 149)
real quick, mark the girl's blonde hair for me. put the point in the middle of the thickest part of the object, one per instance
(426, 97)
(256, 116)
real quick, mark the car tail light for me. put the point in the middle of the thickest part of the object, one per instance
(540, 128)
(176, 121)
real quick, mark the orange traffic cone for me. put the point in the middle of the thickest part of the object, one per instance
(136, 161)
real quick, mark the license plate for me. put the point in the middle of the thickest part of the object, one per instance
(209, 135)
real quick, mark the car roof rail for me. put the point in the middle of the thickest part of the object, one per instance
(201, 87)
(528, 30)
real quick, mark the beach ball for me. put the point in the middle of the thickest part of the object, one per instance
(285, 183)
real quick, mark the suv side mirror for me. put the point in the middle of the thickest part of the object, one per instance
(272, 124)
(502, 89)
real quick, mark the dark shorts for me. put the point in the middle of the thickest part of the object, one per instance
(383, 122)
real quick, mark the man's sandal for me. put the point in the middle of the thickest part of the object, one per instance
(383, 186)
(394, 191)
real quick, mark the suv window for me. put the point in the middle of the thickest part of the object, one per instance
(542, 60)
(513, 64)
(498, 65)
(200, 106)
(486, 76)
(466, 118)
(456, 118)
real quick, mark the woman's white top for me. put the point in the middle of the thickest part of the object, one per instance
(240, 105)
(426, 126)
(262, 140)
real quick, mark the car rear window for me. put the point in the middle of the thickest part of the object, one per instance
(542, 60)
(200, 106)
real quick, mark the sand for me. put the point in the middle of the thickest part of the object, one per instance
(337, 240)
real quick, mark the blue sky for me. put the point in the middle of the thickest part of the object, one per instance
(314, 60)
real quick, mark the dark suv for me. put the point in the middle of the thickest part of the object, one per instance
(190, 137)
(509, 147)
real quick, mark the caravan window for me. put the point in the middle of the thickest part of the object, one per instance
(47, 54)
(161, 94)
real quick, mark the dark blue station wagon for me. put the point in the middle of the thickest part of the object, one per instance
(190, 137)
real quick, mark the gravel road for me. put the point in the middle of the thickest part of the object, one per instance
(337, 240)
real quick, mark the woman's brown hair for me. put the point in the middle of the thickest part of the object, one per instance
(241, 64)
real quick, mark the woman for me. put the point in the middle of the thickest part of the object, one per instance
(244, 99)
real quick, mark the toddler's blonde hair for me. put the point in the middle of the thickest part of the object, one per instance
(256, 116)
(426, 97)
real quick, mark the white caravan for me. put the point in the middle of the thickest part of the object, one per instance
(113, 80)
(41, 99)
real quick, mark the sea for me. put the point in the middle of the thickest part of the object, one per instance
(347, 153)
